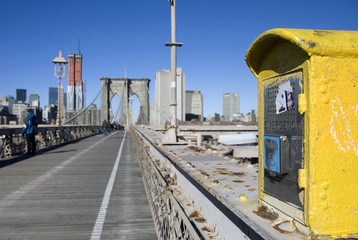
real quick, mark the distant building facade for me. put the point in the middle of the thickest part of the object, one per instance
(21, 95)
(50, 113)
(10, 102)
(19, 109)
(194, 104)
(75, 95)
(161, 112)
(5, 117)
(231, 106)
(52, 96)
(34, 100)
(93, 116)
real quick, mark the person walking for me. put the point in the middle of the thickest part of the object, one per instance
(105, 127)
(31, 123)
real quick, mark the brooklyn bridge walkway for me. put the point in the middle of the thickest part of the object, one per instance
(90, 189)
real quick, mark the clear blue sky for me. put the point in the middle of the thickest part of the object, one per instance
(126, 33)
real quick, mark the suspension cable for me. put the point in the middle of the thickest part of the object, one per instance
(77, 115)
(161, 112)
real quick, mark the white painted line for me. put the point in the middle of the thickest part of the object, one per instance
(16, 195)
(98, 227)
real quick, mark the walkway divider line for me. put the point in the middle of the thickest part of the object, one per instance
(16, 195)
(98, 227)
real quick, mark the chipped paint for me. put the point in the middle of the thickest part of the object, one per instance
(341, 127)
(243, 197)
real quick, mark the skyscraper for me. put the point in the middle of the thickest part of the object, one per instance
(194, 102)
(231, 106)
(21, 95)
(162, 96)
(34, 100)
(75, 86)
(52, 96)
(197, 103)
(11, 100)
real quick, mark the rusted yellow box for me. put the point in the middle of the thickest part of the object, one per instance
(308, 127)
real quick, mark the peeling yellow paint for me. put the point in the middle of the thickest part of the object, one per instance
(243, 197)
(329, 63)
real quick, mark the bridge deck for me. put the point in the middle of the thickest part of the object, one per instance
(58, 194)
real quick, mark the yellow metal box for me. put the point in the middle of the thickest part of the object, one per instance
(308, 127)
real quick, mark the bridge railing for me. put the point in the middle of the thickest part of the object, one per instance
(170, 220)
(13, 140)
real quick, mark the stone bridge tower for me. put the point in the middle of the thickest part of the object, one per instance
(125, 88)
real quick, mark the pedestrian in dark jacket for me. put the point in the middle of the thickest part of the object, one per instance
(105, 127)
(31, 123)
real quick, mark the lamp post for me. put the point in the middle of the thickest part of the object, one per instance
(171, 134)
(60, 67)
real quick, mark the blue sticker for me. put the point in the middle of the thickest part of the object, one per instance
(272, 153)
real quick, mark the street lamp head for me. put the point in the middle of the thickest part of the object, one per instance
(59, 69)
(60, 63)
(59, 59)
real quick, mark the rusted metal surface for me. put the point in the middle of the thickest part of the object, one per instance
(13, 140)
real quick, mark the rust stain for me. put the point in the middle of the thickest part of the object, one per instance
(200, 219)
(251, 189)
(222, 169)
(206, 229)
(196, 149)
(238, 173)
(204, 173)
(167, 188)
(238, 181)
(230, 173)
(175, 181)
(277, 227)
(195, 215)
(262, 212)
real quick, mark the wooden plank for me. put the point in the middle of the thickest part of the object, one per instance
(65, 205)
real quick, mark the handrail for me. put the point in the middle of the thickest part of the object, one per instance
(13, 140)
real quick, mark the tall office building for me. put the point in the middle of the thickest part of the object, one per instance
(19, 109)
(52, 96)
(197, 103)
(11, 100)
(34, 100)
(194, 102)
(75, 96)
(163, 99)
(21, 95)
(231, 106)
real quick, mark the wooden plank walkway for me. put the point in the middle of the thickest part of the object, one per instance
(58, 194)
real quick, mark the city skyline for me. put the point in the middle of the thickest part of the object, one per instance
(131, 35)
